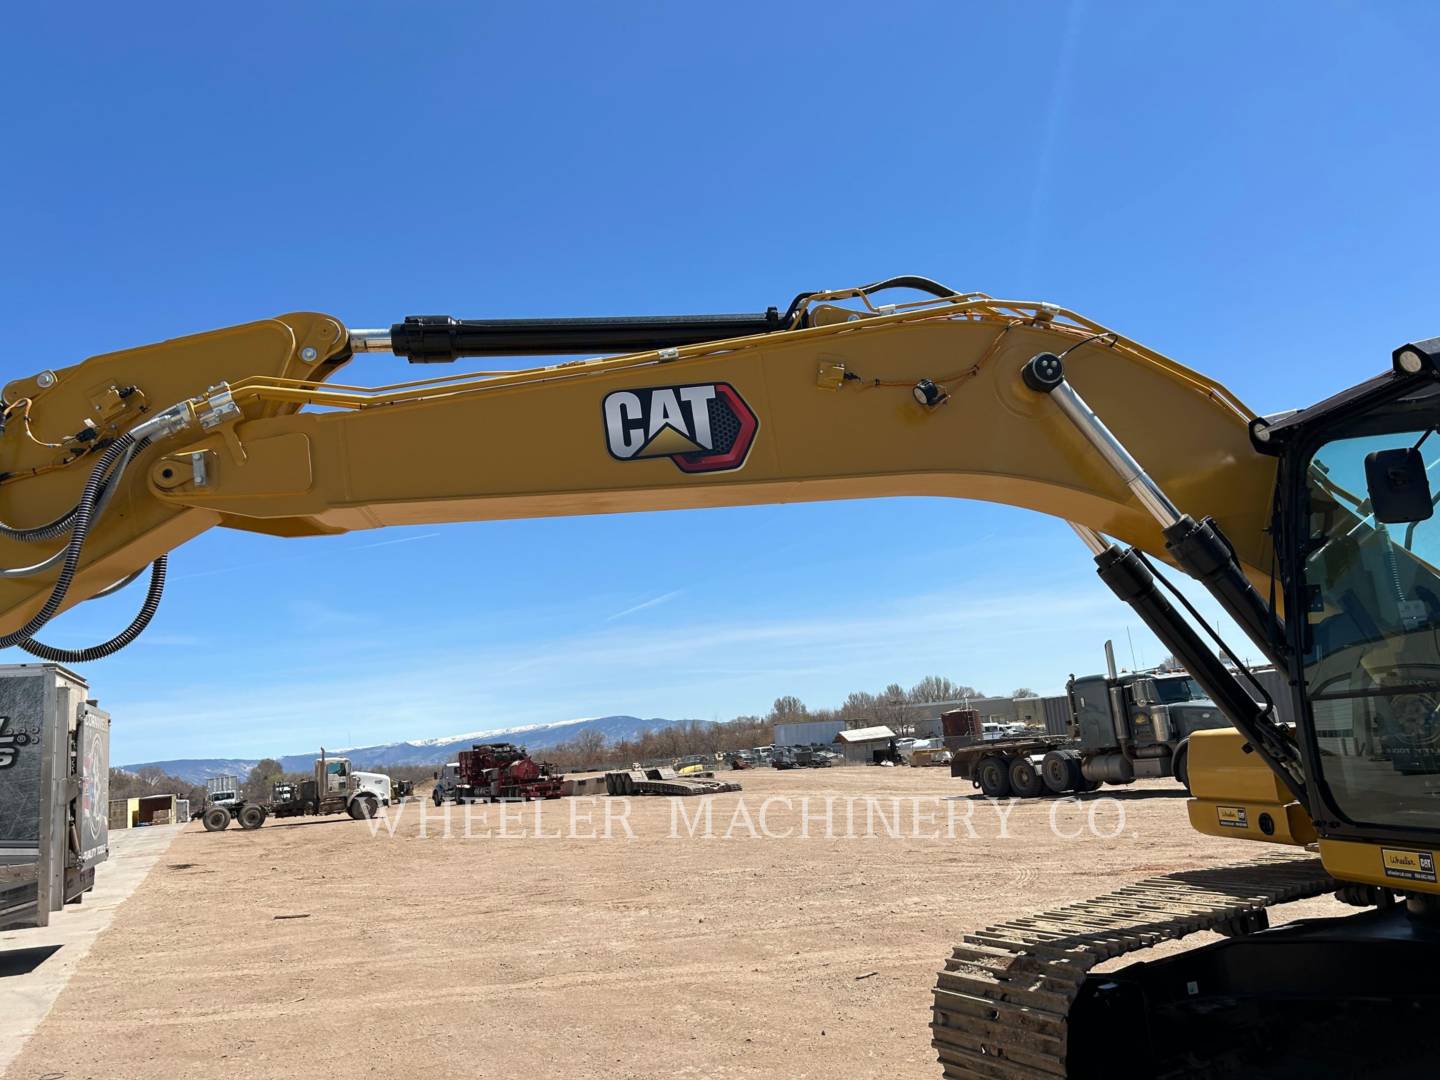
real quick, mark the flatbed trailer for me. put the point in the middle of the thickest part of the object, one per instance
(1024, 767)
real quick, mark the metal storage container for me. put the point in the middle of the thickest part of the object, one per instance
(807, 732)
(961, 723)
(54, 791)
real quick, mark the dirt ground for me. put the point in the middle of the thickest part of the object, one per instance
(313, 945)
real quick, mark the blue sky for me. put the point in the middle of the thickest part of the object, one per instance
(1249, 188)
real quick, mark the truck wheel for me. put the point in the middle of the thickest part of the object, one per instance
(1025, 780)
(216, 819)
(1060, 771)
(365, 807)
(993, 776)
(439, 799)
(252, 817)
(1181, 766)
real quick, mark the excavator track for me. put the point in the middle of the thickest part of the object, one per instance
(1002, 1004)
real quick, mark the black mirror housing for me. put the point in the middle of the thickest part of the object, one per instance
(1398, 486)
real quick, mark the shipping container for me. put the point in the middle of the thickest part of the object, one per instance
(807, 732)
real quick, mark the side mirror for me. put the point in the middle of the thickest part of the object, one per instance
(1143, 690)
(1398, 486)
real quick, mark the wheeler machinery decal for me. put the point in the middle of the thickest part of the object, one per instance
(1408, 865)
(1233, 817)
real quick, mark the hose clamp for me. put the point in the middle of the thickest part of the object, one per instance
(218, 408)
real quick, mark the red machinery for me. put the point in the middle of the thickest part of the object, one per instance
(493, 771)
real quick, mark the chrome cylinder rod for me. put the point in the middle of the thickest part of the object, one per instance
(1146, 490)
(369, 341)
(1097, 544)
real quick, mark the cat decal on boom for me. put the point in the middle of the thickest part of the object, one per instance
(704, 427)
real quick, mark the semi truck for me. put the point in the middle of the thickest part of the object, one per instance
(222, 791)
(447, 783)
(335, 788)
(1124, 726)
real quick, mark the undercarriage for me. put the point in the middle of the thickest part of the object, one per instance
(1341, 996)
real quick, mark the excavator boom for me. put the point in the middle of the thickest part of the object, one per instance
(836, 409)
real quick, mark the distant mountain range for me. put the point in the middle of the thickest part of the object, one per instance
(423, 752)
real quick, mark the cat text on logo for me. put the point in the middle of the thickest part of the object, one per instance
(632, 421)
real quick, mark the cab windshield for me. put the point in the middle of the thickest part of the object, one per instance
(1372, 661)
(1173, 691)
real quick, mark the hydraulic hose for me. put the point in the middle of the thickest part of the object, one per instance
(109, 486)
(80, 529)
(100, 487)
(910, 281)
(120, 640)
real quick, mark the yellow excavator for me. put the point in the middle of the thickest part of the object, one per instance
(1313, 529)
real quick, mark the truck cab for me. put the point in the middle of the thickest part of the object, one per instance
(222, 791)
(447, 782)
(1137, 724)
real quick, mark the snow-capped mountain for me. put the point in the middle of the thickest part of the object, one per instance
(418, 752)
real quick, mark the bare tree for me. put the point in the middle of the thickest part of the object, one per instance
(890, 709)
(589, 748)
(935, 688)
(788, 710)
(1024, 691)
(860, 705)
(262, 777)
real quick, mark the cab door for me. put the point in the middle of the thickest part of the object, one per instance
(337, 777)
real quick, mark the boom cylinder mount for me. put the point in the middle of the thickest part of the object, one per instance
(1199, 547)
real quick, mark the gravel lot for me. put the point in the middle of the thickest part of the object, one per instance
(651, 953)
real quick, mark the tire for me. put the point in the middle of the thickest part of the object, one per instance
(216, 819)
(1181, 766)
(252, 817)
(364, 807)
(993, 776)
(437, 797)
(1061, 772)
(1025, 780)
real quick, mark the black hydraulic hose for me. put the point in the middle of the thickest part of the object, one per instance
(61, 525)
(120, 640)
(48, 531)
(910, 281)
(80, 529)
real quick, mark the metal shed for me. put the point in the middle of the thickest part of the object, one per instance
(860, 745)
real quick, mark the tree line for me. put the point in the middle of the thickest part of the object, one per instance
(891, 706)
(152, 780)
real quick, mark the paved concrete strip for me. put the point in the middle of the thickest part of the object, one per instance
(25, 999)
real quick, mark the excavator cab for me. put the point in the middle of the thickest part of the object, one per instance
(1363, 546)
